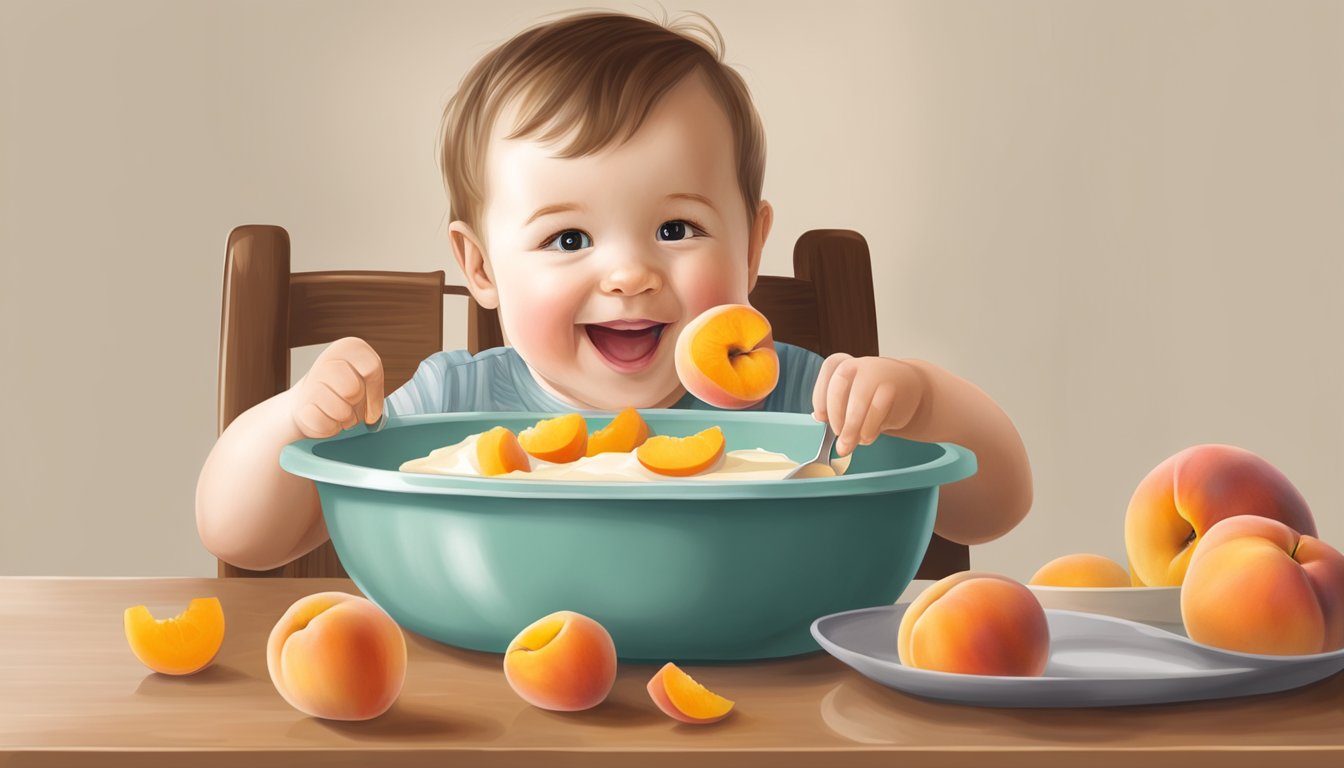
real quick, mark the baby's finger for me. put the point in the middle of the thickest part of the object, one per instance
(828, 367)
(837, 395)
(878, 412)
(856, 411)
(335, 406)
(346, 382)
(314, 422)
(369, 366)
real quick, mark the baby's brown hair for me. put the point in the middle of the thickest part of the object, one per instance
(598, 75)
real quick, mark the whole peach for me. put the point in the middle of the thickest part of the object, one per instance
(1177, 502)
(1258, 586)
(337, 656)
(564, 661)
(975, 623)
(1081, 570)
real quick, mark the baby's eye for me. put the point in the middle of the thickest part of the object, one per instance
(678, 229)
(568, 241)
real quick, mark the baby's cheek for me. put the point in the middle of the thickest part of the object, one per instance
(540, 326)
(710, 287)
(704, 293)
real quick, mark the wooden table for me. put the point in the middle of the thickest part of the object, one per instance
(72, 694)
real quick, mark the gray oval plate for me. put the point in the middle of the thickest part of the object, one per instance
(1095, 661)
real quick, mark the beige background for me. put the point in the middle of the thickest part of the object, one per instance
(1122, 220)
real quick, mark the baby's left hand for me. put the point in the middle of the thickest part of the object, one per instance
(862, 397)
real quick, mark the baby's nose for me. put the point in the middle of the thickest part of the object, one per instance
(630, 277)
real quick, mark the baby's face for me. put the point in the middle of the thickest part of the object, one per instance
(600, 261)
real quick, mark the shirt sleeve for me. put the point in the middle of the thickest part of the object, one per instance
(428, 390)
(798, 370)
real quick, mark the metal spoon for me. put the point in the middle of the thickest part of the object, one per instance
(819, 466)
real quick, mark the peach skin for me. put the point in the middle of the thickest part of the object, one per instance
(564, 661)
(559, 440)
(625, 433)
(680, 697)
(1081, 570)
(1177, 502)
(975, 623)
(1256, 585)
(726, 356)
(337, 656)
(182, 645)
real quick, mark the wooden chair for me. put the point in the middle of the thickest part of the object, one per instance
(827, 306)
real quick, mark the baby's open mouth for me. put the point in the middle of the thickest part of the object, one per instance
(627, 345)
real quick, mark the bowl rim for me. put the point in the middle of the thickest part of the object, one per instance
(298, 458)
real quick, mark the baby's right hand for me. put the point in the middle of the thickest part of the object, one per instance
(344, 385)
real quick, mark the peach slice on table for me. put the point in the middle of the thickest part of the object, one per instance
(498, 452)
(559, 440)
(726, 356)
(682, 456)
(975, 623)
(1081, 570)
(679, 696)
(625, 433)
(184, 644)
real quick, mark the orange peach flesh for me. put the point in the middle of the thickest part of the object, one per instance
(682, 456)
(559, 440)
(625, 433)
(498, 452)
(726, 357)
(679, 696)
(182, 645)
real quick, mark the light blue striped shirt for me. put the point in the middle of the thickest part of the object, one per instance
(497, 379)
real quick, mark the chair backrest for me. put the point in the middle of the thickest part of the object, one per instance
(827, 306)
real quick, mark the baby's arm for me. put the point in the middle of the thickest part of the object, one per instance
(914, 399)
(249, 511)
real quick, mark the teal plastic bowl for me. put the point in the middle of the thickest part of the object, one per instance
(681, 570)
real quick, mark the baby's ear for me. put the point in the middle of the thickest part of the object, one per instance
(760, 230)
(474, 263)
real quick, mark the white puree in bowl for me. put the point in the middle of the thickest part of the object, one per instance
(748, 464)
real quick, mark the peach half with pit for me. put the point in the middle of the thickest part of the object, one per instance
(726, 356)
(975, 623)
(1185, 495)
(337, 656)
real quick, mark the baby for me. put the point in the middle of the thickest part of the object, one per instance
(605, 178)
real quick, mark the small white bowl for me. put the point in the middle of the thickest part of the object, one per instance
(1159, 606)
